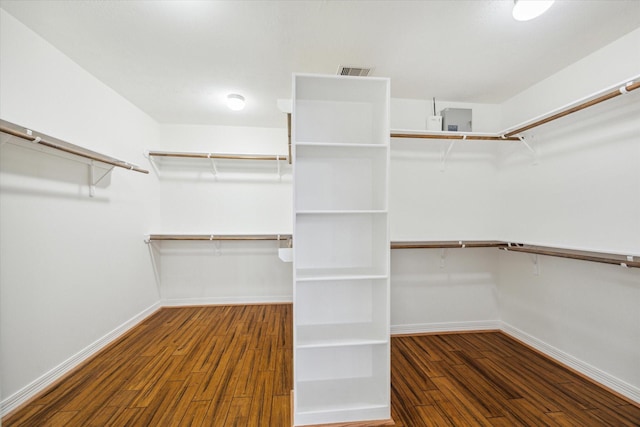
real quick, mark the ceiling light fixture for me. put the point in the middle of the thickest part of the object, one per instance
(235, 102)
(524, 10)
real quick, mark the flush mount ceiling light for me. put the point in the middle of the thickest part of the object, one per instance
(524, 10)
(235, 102)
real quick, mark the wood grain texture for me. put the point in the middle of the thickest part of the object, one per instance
(232, 366)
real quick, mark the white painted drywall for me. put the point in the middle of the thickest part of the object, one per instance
(613, 63)
(434, 200)
(72, 268)
(242, 198)
(436, 290)
(584, 194)
(586, 311)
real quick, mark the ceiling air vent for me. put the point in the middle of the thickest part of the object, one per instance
(353, 71)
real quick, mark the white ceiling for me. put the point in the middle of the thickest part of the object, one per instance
(177, 60)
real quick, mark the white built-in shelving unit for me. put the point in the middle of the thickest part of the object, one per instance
(341, 249)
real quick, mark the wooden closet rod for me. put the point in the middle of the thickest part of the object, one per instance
(436, 135)
(67, 147)
(609, 95)
(575, 254)
(279, 237)
(511, 135)
(216, 156)
(448, 244)
(615, 259)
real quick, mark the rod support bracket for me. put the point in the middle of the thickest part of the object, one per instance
(445, 154)
(534, 153)
(443, 257)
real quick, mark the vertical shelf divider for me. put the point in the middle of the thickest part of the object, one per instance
(341, 251)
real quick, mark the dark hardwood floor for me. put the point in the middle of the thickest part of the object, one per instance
(232, 366)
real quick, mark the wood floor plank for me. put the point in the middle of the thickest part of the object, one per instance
(104, 416)
(232, 366)
(527, 414)
(433, 416)
(280, 410)
(423, 366)
(61, 419)
(466, 410)
(238, 415)
(261, 402)
(195, 413)
(283, 372)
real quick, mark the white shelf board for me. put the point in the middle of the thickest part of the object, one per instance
(339, 145)
(341, 395)
(340, 334)
(305, 275)
(339, 211)
(441, 132)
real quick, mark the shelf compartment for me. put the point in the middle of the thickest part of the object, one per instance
(331, 401)
(338, 383)
(341, 110)
(341, 312)
(337, 178)
(342, 362)
(341, 245)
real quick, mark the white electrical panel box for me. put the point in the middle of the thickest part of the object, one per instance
(456, 119)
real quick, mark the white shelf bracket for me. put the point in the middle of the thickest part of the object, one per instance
(534, 153)
(279, 174)
(216, 245)
(536, 264)
(94, 180)
(624, 264)
(443, 258)
(152, 162)
(445, 154)
(214, 169)
(623, 89)
(154, 262)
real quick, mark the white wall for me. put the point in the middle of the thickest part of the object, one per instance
(614, 63)
(432, 199)
(244, 197)
(443, 290)
(73, 269)
(584, 314)
(584, 193)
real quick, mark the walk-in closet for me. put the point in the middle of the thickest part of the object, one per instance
(319, 213)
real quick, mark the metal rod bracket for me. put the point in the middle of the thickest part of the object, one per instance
(445, 154)
(534, 153)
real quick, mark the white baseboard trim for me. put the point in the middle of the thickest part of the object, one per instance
(584, 368)
(32, 389)
(179, 302)
(425, 328)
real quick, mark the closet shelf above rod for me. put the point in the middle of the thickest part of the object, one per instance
(606, 258)
(448, 244)
(609, 94)
(211, 237)
(448, 135)
(512, 134)
(216, 156)
(58, 144)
